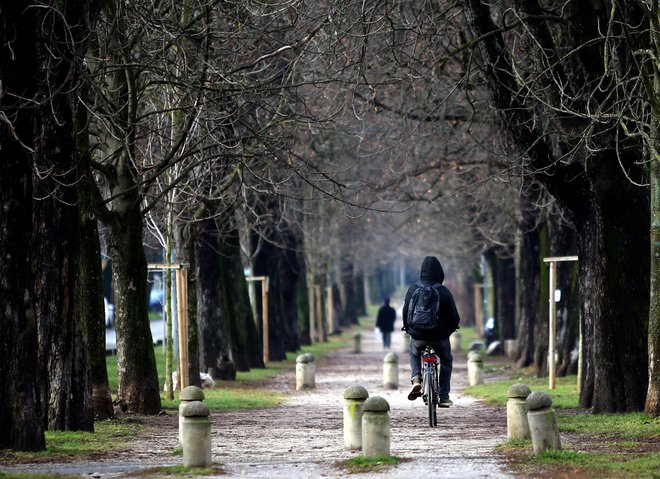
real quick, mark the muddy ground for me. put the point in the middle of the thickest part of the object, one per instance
(304, 437)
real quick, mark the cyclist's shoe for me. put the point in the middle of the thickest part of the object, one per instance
(416, 390)
(445, 402)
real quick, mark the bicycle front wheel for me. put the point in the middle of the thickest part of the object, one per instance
(431, 401)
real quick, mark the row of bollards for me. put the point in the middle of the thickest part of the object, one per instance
(306, 371)
(530, 416)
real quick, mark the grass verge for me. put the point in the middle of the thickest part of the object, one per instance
(601, 445)
(181, 471)
(361, 464)
(65, 445)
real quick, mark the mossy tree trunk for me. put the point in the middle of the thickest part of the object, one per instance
(90, 285)
(245, 340)
(66, 381)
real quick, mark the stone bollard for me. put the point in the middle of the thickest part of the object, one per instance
(305, 372)
(391, 371)
(542, 422)
(189, 393)
(354, 397)
(375, 427)
(196, 438)
(476, 346)
(455, 341)
(357, 343)
(475, 368)
(511, 348)
(406, 343)
(517, 426)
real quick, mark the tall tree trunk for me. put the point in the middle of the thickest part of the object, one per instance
(21, 425)
(280, 265)
(136, 362)
(213, 328)
(66, 381)
(90, 283)
(614, 277)
(186, 255)
(245, 340)
(505, 277)
(528, 279)
(652, 406)
(542, 323)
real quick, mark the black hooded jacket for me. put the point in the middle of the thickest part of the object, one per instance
(430, 273)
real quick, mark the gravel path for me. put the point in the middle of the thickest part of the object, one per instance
(304, 437)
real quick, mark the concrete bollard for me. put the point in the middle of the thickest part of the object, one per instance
(305, 372)
(455, 341)
(475, 368)
(542, 422)
(354, 397)
(406, 343)
(189, 393)
(517, 426)
(391, 371)
(357, 343)
(375, 427)
(511, 348)
(196, 439)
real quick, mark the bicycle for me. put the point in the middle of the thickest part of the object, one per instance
(430, 383)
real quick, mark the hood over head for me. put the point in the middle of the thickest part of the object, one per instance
(431, 270)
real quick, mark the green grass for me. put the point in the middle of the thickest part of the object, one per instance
(626, 444)
(361, 464)
(233, 398)
(60, 445)
(596, 465)
(564, 396)
(168, 471)
(628, 425)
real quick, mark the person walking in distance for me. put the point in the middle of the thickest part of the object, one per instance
(385, 322)
(429, 317)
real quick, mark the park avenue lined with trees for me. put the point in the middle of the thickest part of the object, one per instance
(328, 146)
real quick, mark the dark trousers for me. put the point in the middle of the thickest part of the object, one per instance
(387, 339)
(443, 350)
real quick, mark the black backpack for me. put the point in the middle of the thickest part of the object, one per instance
(424, 308)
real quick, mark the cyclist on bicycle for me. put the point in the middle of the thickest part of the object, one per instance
(432, 274)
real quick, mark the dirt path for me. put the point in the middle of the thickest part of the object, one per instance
(304, 437)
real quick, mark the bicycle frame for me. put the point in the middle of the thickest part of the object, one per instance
(430, 363)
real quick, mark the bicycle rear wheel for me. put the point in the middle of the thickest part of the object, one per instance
(431, 401)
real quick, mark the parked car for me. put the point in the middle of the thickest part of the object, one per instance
(109, 313)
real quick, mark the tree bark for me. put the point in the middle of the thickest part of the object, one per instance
(614, 280)
(281, 266)
(541, 333)
(652, 406)
(213, 328)
(245, 340)
(528, 280)
(136, 362)
(64, 364)
(21, 425)
(505, 280)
